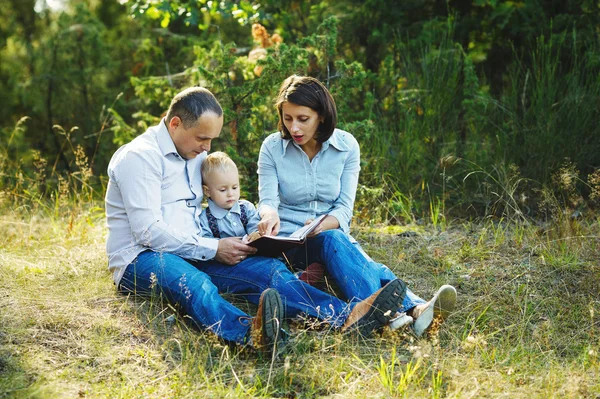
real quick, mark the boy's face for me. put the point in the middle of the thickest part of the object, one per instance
(223, 188)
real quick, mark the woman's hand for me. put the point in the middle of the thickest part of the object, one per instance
(317, 229)
(269, 223)
(329, 223)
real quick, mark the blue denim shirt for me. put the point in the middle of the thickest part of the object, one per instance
(229, 222)
(300, 189)
(153, 201)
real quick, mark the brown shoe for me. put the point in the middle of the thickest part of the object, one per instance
(377, 310)
(266, 326)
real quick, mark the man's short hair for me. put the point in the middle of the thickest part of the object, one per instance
(216, 161)
(308, 92)
(190, 104)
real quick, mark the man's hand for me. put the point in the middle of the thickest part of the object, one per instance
(269, 223)
(231, 251)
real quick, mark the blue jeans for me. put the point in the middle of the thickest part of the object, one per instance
(195, 288)
(353, 271)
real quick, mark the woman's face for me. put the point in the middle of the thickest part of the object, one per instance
(302, 122)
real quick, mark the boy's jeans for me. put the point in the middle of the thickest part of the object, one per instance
(353, 271)
(195, 287)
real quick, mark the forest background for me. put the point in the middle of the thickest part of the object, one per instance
(462, 106)
(480, 142)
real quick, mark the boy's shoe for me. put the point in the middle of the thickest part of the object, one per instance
(377, 310)
(401, 320)
(266, 326)
(440, 306)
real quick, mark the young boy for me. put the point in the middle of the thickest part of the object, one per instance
(226, 215)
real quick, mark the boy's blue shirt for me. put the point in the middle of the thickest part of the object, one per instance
(229, 221)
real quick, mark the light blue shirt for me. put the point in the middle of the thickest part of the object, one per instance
(153, 201)
(300, 189)
(229, 222)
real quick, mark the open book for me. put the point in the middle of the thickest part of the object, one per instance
(275, 245)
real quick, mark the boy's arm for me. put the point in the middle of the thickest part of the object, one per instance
(253, 216)
(205, 228)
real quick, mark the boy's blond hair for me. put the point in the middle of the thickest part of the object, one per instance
(216, 161)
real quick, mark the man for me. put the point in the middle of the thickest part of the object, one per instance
(153, 204)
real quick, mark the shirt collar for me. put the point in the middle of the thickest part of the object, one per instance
(219, 212)
(337, 140)
(165, 142)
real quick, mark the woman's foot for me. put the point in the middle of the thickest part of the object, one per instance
(440, 306)
(399, 321)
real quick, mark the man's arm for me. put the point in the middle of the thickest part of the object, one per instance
(139, 177)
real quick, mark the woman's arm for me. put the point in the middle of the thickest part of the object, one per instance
(344, 205)
(268, 192)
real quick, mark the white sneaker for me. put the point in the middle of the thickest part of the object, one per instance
(441, 305)
(401, 320)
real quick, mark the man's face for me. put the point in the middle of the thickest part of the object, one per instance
(223, 187)
(195, 140)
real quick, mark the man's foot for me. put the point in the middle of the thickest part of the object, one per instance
(266, 326)
(377, 310)
(440, 306)
(399, 321)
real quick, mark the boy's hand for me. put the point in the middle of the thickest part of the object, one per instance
(231, 251)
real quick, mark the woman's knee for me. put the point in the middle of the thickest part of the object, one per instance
(334, 239)
(335, 234)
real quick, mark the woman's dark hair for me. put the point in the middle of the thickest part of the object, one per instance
(307, 92)
(191, 103)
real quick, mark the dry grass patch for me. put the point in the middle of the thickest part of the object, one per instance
(525, 326)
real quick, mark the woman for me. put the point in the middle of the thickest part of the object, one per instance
(310, 168)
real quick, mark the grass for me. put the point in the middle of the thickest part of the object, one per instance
(526, 324)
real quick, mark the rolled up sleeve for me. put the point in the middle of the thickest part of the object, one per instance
(344, 204)
(268, 182)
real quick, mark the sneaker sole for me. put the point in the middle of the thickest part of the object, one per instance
(272, 316)
(445, 301)
(383, 308)
(442, 304)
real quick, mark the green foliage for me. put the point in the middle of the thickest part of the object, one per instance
(441, 97)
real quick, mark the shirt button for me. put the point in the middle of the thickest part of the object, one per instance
(189, 203)
(312, 195)
(203, 257)
(234, 224)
